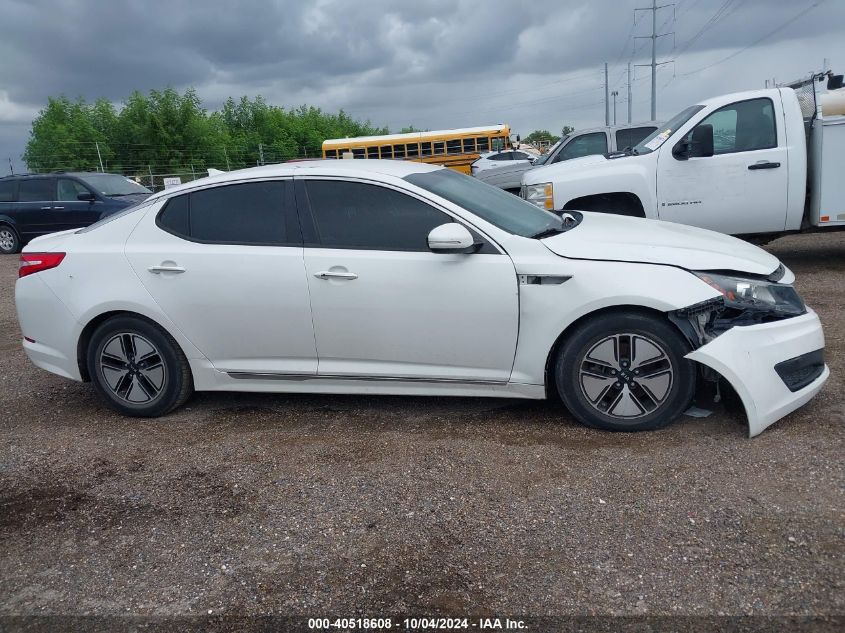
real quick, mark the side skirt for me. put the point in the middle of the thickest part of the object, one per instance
(206, 379)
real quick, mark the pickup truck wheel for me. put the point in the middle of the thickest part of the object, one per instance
(10, 243)
(625, 373)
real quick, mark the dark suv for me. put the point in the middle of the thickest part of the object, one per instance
(37, 204)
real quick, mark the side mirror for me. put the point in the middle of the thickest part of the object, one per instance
(451, 238)
(86, 197)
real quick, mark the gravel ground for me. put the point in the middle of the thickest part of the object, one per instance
(347, 505)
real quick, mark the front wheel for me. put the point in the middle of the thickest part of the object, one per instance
(137, 368)
(625, 372)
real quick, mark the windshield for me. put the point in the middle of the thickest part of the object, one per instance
(113, 184)
(545, 157)
(659, 136)
(504, 210)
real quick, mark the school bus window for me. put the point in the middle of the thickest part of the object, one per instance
(483, 145)
(425, 149)
(413, 150)
(331, 153)
(439, 148)
(469, 145)
(453, 146)
(358, 152)
(386, 151)
(372, 152)
(398, 151)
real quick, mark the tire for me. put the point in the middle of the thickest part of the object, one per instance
(10, 243)
(137, 368)
(602, 392)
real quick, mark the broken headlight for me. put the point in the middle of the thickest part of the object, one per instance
(758, 300)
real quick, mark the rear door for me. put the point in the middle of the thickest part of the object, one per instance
(72, 211)
(742, 188)
(225, 264)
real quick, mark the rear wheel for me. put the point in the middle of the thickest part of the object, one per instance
(9, 241)
(625, 373)
(137, 368)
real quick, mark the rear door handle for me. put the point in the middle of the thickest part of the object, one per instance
(157, 270)
(330, 274)
(764, 164)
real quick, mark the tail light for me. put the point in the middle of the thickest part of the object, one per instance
(36, 262)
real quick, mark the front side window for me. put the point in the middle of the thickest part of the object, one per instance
(584, 145)
(654, 140)
(36, 190)
(248, 213)
(369, 217)
(68, 190)
(743, 127)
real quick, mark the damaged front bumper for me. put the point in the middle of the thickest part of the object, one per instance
(774, 367)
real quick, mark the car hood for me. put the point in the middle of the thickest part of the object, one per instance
(603, 236)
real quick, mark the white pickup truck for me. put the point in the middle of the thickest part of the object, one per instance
(758, 163)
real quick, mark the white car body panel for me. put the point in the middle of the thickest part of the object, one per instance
(412, 323)
(605, 236)
(717, 192)
(746, 356)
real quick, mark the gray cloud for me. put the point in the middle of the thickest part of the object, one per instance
(436, 63)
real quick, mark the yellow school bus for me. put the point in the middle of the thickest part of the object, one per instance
(456, 149)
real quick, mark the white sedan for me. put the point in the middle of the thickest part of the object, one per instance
(401, 278)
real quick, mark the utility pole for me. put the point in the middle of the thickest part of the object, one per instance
(606, 98)
(260, 153)
(11, 168)
(98, 156)
(152, 180)
(614, 94)
(629, 93)
(226, 155)
(654, 8)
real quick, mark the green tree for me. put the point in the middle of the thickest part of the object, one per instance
(168, 132)
(541, 135)
(567, 130)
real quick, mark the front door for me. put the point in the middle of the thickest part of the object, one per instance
(70, 211)
(742, 188)
(385, 307)
(225, 265)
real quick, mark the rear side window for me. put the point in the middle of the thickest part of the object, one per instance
(632, 136)
(368, 217)
(7, 190)
(36, 190)
(248, 213)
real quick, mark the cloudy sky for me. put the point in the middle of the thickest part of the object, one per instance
(428, 63)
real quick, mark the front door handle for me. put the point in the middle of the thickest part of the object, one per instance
(157, 270)
(46, 208)
(764, 164)
(333, 274)
(58, 207)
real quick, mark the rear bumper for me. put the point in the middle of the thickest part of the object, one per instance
(747, 356)
(49, 328)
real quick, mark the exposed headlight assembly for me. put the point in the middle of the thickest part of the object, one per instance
(541, 195)
(748, 300)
